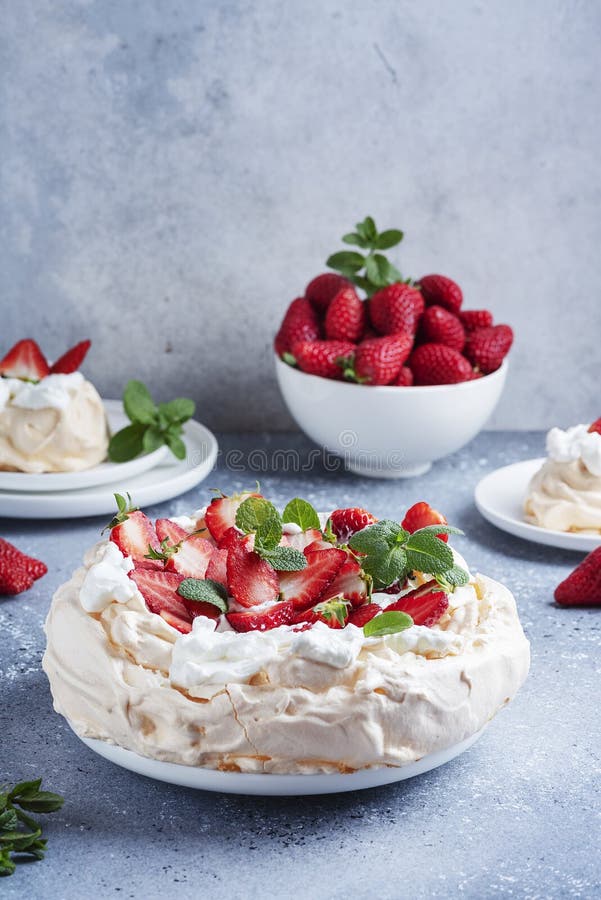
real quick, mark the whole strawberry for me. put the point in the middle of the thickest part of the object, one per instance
(300, 324)
(395, 308)
(404, 378)
(321, 291)
(14, 575)
(379, 360)
(346, 317)
(438, 364)
(322, 357)
(439, 326)
(442, 291)
(475, 318)
(486, 348)
(348, 521)
(583, 586)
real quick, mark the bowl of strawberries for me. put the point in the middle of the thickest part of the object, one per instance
(388, 373)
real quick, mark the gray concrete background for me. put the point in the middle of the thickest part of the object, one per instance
(174, 172)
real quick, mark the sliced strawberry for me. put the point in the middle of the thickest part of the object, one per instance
(350, 583)
(304, 538)
(273, 617)
(71, 360)
(25, 360)
(334, 613)
(425, 607)
(306, 586)
(199, 608)
(251, 581)
(217, 568)
(159, 590)
(182, 625)
(320, 544)
(422, 514)
(364, 614)
(346, 522)
(193, 554)
(229, 538)
(168, 530)
(135, 536)
(221, 513)
(595, 427)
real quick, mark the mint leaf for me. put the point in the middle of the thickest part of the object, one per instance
(283, 559)
(355, 239)
(179, 410)
(426, 553)
(301, 513)
(138, 403)
(41, 802)
(389, 238)
(204, 590)
(393, 274)
(377, 267)
(176, 445)
(452, 578)
(260, 516)
(367, 229)
(387, 623)
(375, 537)
(152, 439)
(438, 529)
(7, 866)
(346, 260)
(127, 443)
(25, 788)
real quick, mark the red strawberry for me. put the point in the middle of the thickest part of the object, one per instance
(441, 290)
(273, 617)
(182, 625)
(334, 613)
(346, 317)
(475, 318)
(14, 576)
(438, 364)
(595, 427)
(306, 586)
(159, 590)
(31, 565)
(364, 614)
(217, 568)
(321, 357)
(221, 513)
(229, 537)
(486, 348)
(251, 581)
(299, 324)
(194, 552)
(71, 360)
(304, 538)
(396, 308)
(439, 326)
(379, 360)
(350, 583)
(321, 291)
(25, 360)
(135, 535)
(420, 515)
(425, 607)
(583, 586)
(348, 521)
(404, 378)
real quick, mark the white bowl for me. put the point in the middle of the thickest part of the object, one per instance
(384, 431)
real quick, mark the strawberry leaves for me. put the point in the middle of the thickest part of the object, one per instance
(19, 832)
(378, 270)
(389, 553)
(260, 517)
(151, 426)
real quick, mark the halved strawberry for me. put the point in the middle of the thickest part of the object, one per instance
(177, 622)
(25, 360)
(159, 590)
(422, 514)
(229, 538)
(273, 617)
(306, 586)
(303, 538)
(346, 522)
(221, 513)
(71, 360)
(250, 580)
(424, 605)
(217, 568)
(351, 583)
(363, 614)
(135, 535)
(193, 554)
(334, 613)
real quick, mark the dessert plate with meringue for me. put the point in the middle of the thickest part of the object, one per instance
(252, 650)
(555, 500)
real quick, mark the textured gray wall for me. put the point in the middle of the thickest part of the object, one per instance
(174, 172)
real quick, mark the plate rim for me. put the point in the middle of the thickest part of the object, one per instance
(563, 540)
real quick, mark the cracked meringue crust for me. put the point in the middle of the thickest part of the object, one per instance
(109, 673)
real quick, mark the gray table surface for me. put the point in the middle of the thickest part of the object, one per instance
(517, 815)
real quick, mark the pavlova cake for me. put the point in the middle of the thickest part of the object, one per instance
(565, 493)
(51, 418)
(245, 639)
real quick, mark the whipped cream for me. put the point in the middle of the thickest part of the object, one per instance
(317, 644)
(106, 581)
(576, 443)
(52, 392)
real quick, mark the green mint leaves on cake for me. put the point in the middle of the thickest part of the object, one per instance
(20, 833)
(373, 270)
(152, 425)
(260, 517)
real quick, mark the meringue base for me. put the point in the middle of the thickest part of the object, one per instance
(564, 496)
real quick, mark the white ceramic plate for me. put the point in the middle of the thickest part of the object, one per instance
(169, 479)
(500, 498)
(272, 785)
(105, 473)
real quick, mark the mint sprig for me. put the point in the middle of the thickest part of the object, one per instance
(258, 516)
(152, 425)
(390, 554)
(370, 271)
(204, 590)
(20, 834)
